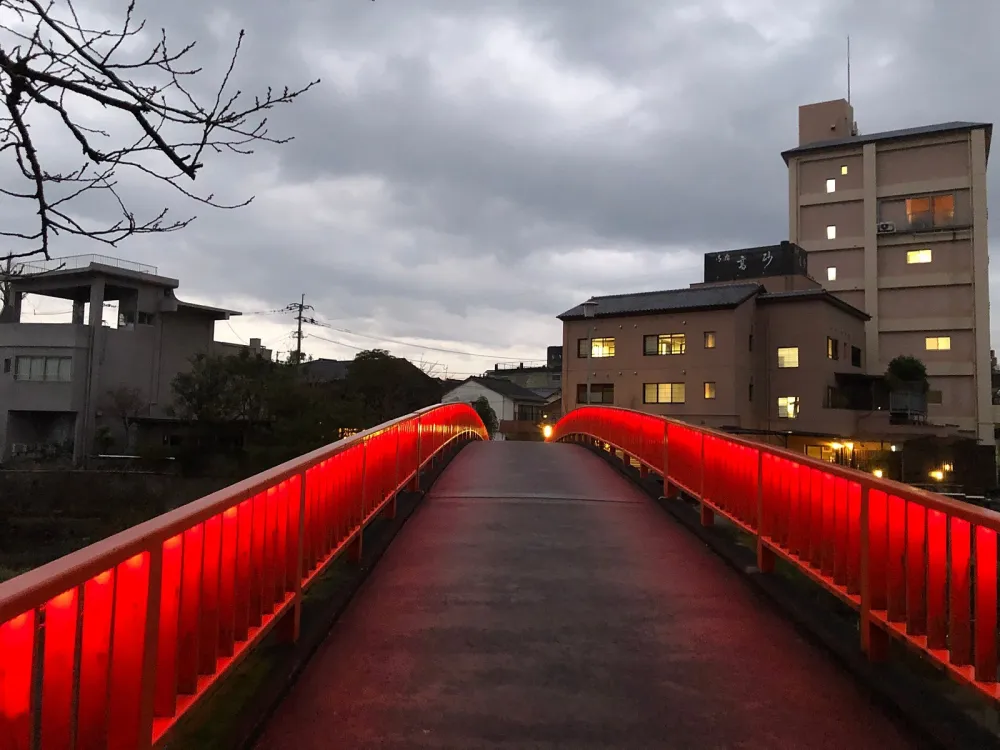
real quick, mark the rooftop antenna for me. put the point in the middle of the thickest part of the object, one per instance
(848, 68)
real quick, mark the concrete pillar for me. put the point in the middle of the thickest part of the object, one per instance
(91, 363)
(78, 309)
(18, 302)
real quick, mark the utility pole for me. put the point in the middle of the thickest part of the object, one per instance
(301, 306)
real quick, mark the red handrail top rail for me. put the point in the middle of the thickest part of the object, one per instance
(971, 513)
(40, 584)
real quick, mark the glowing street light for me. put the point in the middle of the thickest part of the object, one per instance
(547, 431)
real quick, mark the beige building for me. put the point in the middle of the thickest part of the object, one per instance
(759, 348)
(895, 224)
(59, 380)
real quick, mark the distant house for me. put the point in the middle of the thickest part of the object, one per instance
(59, 380)
(518, 410)
(325, 370)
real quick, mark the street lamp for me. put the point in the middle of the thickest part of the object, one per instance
(589, 308)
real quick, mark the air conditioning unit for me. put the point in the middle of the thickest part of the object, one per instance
(886, 227)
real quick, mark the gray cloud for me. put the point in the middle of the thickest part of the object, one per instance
(469, 170)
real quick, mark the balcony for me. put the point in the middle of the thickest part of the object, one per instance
(77, 262)
(43, 336)
(907, 407)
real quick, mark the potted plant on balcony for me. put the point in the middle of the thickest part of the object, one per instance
(906, 374)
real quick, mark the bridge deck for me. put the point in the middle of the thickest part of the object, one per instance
(538, 600)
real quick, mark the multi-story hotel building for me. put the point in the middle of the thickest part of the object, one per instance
(895, 224)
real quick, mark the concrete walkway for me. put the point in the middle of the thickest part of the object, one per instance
(539, 600)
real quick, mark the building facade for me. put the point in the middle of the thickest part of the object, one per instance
(60, 381)
(761, 349)
(894, 224)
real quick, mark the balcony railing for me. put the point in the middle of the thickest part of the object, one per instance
(76, 262)
(908, 406)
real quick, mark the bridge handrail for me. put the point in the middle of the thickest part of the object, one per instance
(111, 644)
(916, 565)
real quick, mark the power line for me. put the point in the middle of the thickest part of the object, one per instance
(423, 347)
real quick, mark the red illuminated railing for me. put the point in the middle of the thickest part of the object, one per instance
(108, 646)
(915, 564)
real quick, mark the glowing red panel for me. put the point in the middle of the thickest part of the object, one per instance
(937, 570)
(165, 698)
(17, 639)
(61, 617)
(128, 648)
(916, 569)
(187, 629)
(960, 593)
(985, 631)
(208, 634)
(95, 657)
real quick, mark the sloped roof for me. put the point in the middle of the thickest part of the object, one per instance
(888, 135)
(506, 388)
(325, 370)
(821, 294)
(670, 300)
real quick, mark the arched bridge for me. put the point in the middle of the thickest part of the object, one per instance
(537, 598)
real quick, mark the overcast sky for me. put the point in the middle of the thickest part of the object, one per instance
(468, 169)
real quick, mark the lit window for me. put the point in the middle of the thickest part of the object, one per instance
(831, 185)
(788, 356)
(918, 256)
(831, 273)
(843, 169)
(937, 343)
(931, 211)
(832, 348)
(788, 407)
(663, 393)
(831, 232)
(709, 390)
(602, 347)
(664, 343)
(709, 339)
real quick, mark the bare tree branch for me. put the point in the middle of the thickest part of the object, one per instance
(52, 64)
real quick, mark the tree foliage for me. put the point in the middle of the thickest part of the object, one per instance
(277, 414)
(487, 414)
(905, 372)
(57, 68)
(387, 387)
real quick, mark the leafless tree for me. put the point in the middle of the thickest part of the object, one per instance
(127, 405)
(54, 67)
(9, 270)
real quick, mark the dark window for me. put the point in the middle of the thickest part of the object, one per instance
(144, 318)
(600, 393)
(832, 348)
(6, 365)
(581, 348)
(856, 356)
(751, 391)
(751, 342)
(529, 412)
(934, 397)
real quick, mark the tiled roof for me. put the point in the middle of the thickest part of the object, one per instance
(506, 388)
(671, 300)
(887, 135)
(822, 294)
